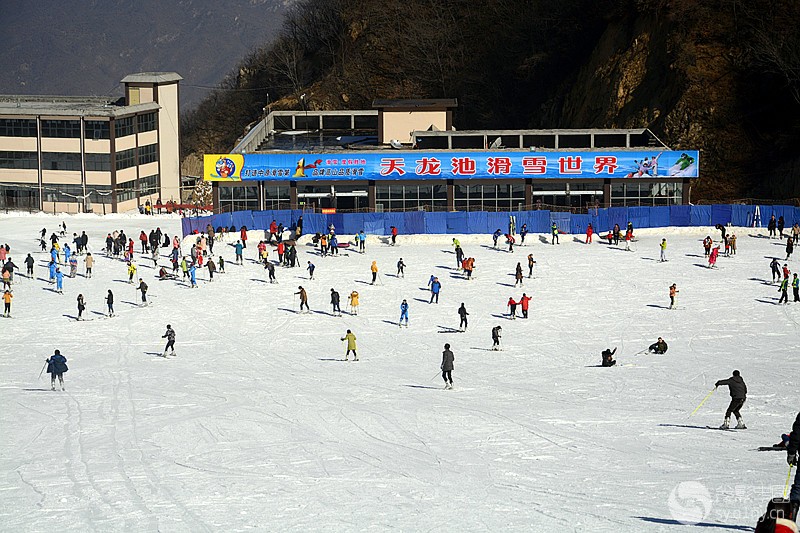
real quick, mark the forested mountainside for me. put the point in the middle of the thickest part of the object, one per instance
(86, 47)
(721, 76)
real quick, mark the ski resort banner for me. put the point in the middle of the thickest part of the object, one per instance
(391, 165)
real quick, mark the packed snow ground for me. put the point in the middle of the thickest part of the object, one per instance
(258, 424)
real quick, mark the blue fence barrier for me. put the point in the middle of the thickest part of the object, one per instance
(418, 222)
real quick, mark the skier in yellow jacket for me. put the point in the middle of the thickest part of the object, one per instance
(351, 345)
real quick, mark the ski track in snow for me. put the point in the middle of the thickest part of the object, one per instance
(259, 424)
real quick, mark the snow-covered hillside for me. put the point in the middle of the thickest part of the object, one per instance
(258, 424)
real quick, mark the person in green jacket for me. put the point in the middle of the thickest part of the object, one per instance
(185, 267)
(784, 290)
(351, 345)
(554, 229)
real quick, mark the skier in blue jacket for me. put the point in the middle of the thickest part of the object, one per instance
(52, 267)
(436, 286)
(193, 275)
(403, 313)
(59, 281)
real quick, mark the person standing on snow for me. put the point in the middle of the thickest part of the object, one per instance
(436, 286)
(374, 269)
(59, 281)
(459, 255)
(351, 345)
(110, 303)
(496, 337)
(400, 268)
(589, 233)
(512, 314)
(29, 262)
(56, 366)
(81, 306)
(776, 269)
(89, 260)
(303, 299)
(170, 336)
(495, 236)
(271, 272)
(337, 311)
(673, 291)
(239, 249)
(712, 259)
(796, 288)
(531, 262)
(403, 313)
(663, 246)
(784, 290)
(789, 248)
(462, 313)
(143, 287)
(554, 232)
(211, 268)
(738, 391)
(524, 302)
(310, 269)
(7, 297)
(193, 276)
(394, 235)
(518, 275)
(362, 239)
(354, 302)
(447, 367)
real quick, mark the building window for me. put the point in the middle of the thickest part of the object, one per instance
(98, 194)
(238, 198)
(147, 122)
(635, 193)
(494, 197)
(126, 159)
(148, 154)
(411, 197)
(124, 127)
(61, 161)
(126, 191)
(19, 160)
(276, 197)
(19, 196)
(148, 185)
(98, 162)
(96, 129)
(18, 127)
(62, 193)
(62, 129)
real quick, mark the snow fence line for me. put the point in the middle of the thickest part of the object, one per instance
(482, 222)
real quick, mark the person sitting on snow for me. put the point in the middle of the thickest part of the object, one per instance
(659, 347)
(608, 357)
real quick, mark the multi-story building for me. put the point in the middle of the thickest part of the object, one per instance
(101, 154)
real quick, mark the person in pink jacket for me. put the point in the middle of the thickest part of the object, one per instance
(712, 259)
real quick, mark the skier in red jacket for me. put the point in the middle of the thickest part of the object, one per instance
(243, 235)
(513, 305)
(524, 303)
(394, 235)
(273, 230)
(589, 233)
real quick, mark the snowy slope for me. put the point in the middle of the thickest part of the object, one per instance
(257, 424)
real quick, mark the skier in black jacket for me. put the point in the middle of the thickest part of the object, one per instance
(738, 391)
(791, 457)
(659, 347)
(335, 303)
(462, 312)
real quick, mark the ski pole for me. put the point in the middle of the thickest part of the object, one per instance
(788, 477)
(704, 401)
(45, 366)
(436, 375)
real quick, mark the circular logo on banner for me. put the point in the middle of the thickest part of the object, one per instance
(225, 167)
(689, 502)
